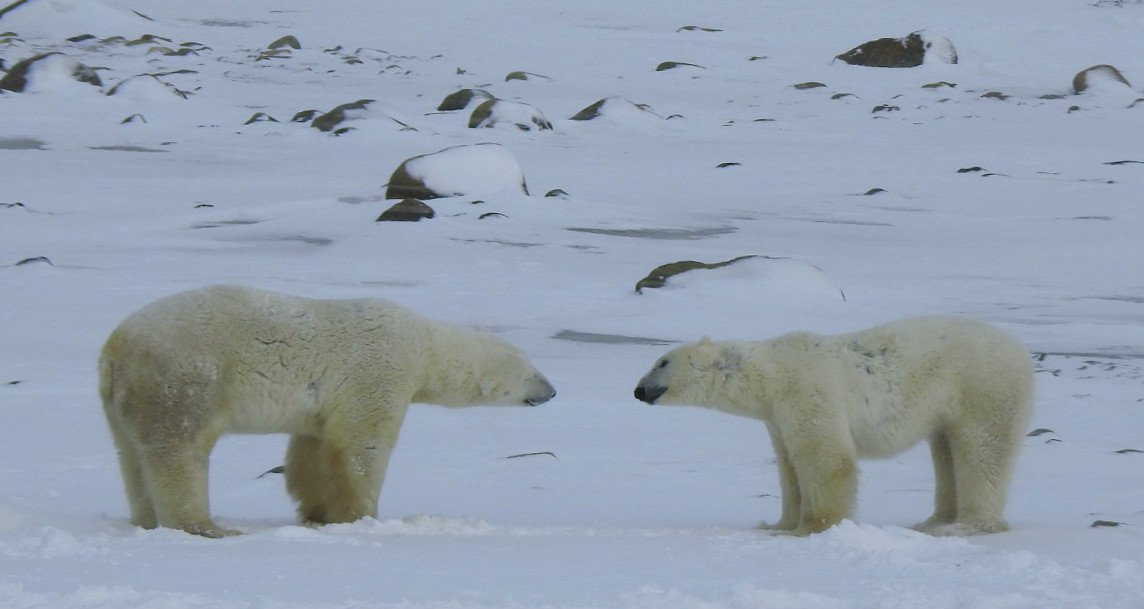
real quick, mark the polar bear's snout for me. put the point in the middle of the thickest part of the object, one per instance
(649, 394)
(541, 391)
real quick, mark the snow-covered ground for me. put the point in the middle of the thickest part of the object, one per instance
(979, 196)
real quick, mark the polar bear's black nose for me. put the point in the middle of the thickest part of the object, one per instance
(649, 394)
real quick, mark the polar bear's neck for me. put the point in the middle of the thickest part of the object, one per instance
(450, 376)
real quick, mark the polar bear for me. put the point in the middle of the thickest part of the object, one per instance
(829, 400)
(337, 375)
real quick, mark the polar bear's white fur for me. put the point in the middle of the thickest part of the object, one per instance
(829, 400)
(337, 375)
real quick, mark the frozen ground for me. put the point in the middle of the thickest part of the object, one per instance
(636, 506)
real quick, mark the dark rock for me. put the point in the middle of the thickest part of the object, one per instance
(906, 52)
(520, 75)
(459, 100)
(1082, 81)
(260, 117)
(304, 116)
(590, 112)
(284, 42)
(671, 65)
(35, 260)
(408, 210)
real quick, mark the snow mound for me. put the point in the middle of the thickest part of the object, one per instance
(52, 72)
(784, 278)
(60, 19)
(618, 110)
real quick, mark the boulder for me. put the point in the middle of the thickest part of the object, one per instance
(615, 106)
(459, 100)
(907, 52)
(457, 171)
(495, 112)
(407, 210)
(335, 121)
(335, 117)
(1096, 76)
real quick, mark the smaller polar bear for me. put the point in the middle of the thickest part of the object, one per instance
(337, 375)
(829, 400)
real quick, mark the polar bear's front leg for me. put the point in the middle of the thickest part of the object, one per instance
(827, 471)
(945, 485)
(788, 485)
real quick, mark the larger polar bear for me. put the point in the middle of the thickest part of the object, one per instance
(829, 400)
(337, 375)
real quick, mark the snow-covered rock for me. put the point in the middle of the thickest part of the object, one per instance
(494, 112)
(617, 109)
(47, 71)
(461, 170)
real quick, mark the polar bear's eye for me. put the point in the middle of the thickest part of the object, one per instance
(662, 364)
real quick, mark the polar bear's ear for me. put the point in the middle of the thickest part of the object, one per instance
(706, 340)
(730, 358)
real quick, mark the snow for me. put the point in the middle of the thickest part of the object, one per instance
(634, 506)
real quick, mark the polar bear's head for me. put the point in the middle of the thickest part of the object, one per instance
(505, 376)
(487, 371)
(702, 374)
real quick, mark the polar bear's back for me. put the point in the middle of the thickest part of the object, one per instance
(970, 345)
(897, 381)
(259, 351)
(231, 315)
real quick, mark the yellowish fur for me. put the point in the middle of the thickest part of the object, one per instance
(961, 384)
(337, 375)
